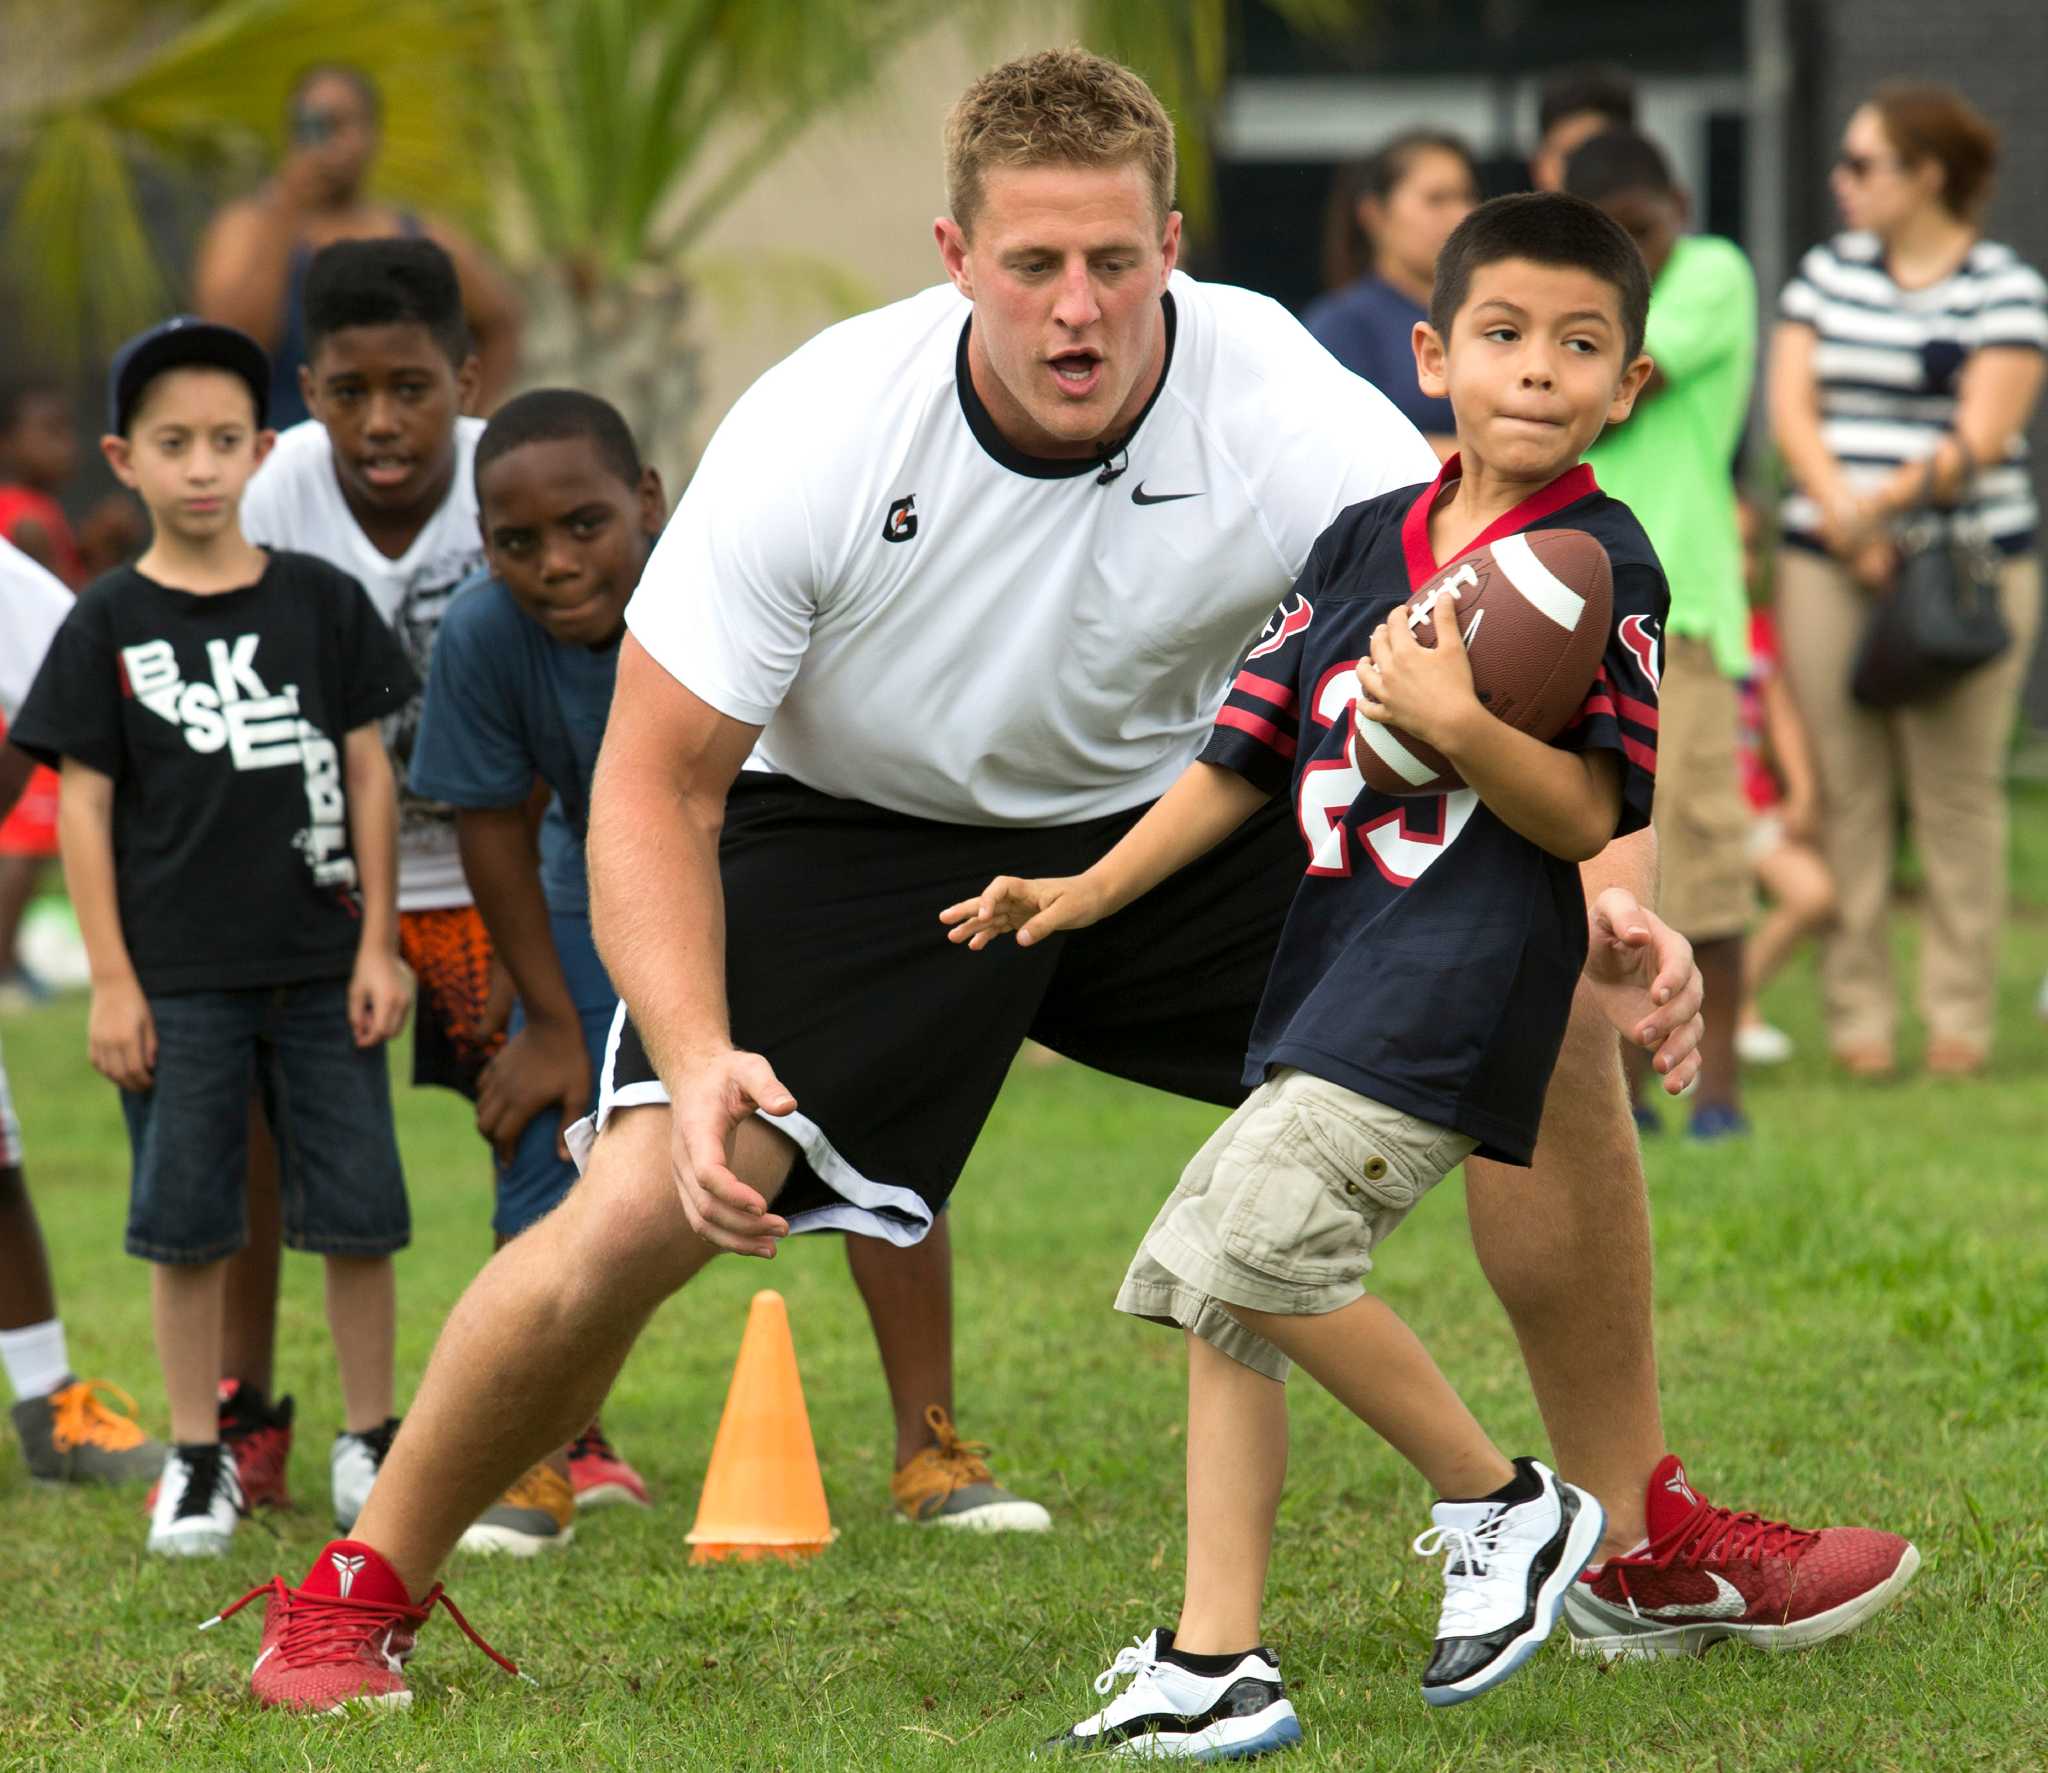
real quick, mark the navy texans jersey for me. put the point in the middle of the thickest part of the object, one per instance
(1429, 958)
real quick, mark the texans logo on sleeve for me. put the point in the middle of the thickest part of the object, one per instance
(1637, 635)
(1282, 626)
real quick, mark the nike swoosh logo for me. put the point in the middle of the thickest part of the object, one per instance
(261, 1660)
(1139, 496)
(1726, 1604)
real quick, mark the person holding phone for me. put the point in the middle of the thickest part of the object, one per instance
(252, 262)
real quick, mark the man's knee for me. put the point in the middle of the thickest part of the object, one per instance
(624, 1218)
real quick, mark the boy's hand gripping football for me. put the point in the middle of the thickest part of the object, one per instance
(1033, 908)
(1424, 690)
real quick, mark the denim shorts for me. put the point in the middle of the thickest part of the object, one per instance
(1281, 1211)
(328, 1102)
(533, 1183)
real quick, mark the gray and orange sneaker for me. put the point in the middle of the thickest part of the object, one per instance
(74, 1435)
(536, 1514)
(949, 1484)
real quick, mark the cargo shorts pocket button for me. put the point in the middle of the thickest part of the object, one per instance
(1351, 1188)
(1375, 1169)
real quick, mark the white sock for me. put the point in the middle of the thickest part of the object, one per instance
(35, 1359)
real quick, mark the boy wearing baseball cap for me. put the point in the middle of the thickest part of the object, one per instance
(228, 823)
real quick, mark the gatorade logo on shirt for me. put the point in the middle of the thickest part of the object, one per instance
(257, 727)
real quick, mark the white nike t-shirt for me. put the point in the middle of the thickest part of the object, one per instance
(294, 501)
(33, 605)
(922, 618)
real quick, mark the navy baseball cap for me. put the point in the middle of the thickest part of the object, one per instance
(185, 342)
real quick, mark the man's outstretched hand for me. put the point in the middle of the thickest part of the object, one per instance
(1641, 972)
(708, 1099)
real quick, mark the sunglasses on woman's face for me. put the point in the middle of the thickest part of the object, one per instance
(1860, 166)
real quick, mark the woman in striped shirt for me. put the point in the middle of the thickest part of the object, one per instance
(1909, 353)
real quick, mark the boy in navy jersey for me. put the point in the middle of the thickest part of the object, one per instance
(1419, 994)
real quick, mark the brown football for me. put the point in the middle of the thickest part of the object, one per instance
(1535, 610)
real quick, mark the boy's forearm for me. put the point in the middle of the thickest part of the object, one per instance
(1561, 801)
(1190, 819)
(502, 864)
(85, 827)
(373, 835)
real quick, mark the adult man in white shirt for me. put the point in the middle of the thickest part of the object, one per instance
(957, 589)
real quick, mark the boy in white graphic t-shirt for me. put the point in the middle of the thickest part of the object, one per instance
(378, 483)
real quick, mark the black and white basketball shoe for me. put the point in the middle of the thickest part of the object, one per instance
(1508, 1566)
(1171, 1712)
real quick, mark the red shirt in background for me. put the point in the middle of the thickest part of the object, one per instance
(1752, 749)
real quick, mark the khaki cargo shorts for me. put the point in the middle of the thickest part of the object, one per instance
(1281, 1211)
(1705, 877)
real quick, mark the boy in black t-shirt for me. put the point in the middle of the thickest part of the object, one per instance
(228, 822)
(1419, 993)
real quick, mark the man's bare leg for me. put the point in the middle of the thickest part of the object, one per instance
(1566, 1246)
(549, 1321)
(909, 1296)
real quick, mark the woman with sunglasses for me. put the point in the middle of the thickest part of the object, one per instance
(1906, 365)
(251, 270)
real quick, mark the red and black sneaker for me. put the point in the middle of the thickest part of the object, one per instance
(259, 1433)
(342, 1637)
(1710, 1573)
(599, 1476)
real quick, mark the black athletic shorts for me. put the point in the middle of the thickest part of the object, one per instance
(895, 1042)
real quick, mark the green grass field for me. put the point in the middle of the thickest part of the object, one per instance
(1853, 1312)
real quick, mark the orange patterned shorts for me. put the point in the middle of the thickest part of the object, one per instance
(449, 950)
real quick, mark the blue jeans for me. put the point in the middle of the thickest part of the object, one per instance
(329, 1105)
(533, 1183)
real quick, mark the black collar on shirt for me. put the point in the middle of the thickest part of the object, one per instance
(1050, 467)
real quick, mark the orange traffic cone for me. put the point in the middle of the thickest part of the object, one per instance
(763, 1496)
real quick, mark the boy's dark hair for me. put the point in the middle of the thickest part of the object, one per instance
(1614, 161)
(560, 415)
(398, 281)
(17, 391)
(365, 86)
(1606, 91)
(1347, 253)
(1547, 228)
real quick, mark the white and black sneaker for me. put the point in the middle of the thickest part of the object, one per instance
(1171, 1710)
(1509, 1561)
(198, 1501)
(354, 1463)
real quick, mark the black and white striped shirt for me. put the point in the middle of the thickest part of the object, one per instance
(1889, 365)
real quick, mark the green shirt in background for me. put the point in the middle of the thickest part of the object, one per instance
(1672, 461)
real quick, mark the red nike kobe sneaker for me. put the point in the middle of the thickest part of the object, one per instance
(342, 1637)
(1710, 1573)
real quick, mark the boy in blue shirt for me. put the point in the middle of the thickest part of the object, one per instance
(518, 691)
(1419, 993)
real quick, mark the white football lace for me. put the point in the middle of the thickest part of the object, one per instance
(1134, 1658)
(1468, 1554)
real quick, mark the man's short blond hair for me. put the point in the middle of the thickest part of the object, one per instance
(1058, 107)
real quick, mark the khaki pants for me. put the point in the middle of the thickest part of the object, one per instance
(1949, 754)
(1704, 886)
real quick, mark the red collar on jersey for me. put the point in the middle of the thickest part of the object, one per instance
(1567, 489)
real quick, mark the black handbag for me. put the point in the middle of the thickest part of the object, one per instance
(1941, 620)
